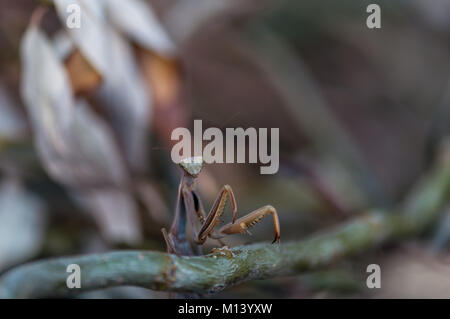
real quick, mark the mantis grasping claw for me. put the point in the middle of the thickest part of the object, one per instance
(190, 206)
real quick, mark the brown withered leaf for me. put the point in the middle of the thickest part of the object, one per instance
(90, 38)
(127, 101)
(96, 149)
(138, 21)
(61, 129)
(122, 93)
(75, 145)
(163, 75)
(83, 77)
(164, 78)
(47, 94)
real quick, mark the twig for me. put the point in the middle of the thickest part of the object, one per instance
(213, 273)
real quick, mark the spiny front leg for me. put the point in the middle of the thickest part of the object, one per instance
(250, 220)
(216, 211)
(201, 213)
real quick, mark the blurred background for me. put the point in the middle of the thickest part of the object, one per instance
(86, 116)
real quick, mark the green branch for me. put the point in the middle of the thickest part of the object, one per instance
(215, 272)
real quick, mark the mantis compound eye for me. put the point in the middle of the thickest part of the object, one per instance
(192, 165)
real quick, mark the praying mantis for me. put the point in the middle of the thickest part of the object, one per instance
(189, 207)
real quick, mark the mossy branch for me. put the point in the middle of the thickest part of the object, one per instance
(212, 273)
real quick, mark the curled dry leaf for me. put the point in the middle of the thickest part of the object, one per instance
(123, 93)
(70, 139)
(163, 78)
(90, 37)
(96, 149)
(127, 101)
(47, 95)
(83, 77)
(138, 21)
(76, 146)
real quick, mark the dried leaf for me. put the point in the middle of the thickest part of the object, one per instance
(123, 93)
(95, 148)
(46, 92)
(76, 146)
(164, 79)
(90, 38)
(127, 101)
(137, 20)
(163, 76)
(83, 77)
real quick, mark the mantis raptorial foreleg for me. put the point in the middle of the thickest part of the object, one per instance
(190, 207)
(216, 211)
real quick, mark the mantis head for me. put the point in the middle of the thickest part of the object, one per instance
(192, 165)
